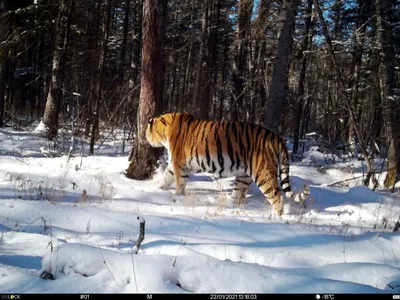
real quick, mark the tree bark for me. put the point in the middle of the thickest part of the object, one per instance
(123, 49)
(61, 36)
(145, 157)
(389, 93)
(4, 8)
(363, 15)
(300, 87)
(240, 57)
(199, 97)
(277, 95)
(209, 81)
(98, 85)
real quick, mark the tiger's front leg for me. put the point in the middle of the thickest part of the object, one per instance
(181, 177)
(167, 179)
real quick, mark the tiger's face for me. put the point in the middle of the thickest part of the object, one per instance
(156, 131)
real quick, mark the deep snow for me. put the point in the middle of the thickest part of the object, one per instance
(79, 222)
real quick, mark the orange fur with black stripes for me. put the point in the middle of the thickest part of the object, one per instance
(246, 151)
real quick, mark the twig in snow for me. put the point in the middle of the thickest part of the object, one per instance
(134, 273)
(182, 243)
(140, 239)
(395, 258)
(104, 261)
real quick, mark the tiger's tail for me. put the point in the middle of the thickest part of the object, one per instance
(284, 176)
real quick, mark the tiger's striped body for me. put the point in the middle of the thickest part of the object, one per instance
(246, 151)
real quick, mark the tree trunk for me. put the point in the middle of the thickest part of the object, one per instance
(209, 81)
(363, 15)
(4, 8)
(61, 36)
(145, 157)
(99, 75)
(3, 81)
(224, 76)
(300, 87)
(188, 67)
(389, 93)
(240, 57)
(198, 96)
(277, 95)
(135, 59)
(123, 49)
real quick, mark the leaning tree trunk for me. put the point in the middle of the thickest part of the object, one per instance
(145, 157)
(277, 95)
(389, 93)
(61, 34)
(4, 7)
(300, 87)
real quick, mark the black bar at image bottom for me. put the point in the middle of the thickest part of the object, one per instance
(211, 296)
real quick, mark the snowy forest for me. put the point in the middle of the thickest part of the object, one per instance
(329, 67)
(81, 205)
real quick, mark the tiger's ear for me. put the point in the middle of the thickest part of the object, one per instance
(150, 120)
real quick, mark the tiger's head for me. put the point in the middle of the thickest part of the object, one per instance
(157, 129)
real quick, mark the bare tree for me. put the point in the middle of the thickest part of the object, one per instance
(364, 7)
(198, 95)
(277, 95)
(97, 93)
(347, 102)
(300, 87)
(4, 8)
(389, 93)
(151, 92)
(245, 8)
(60, 41)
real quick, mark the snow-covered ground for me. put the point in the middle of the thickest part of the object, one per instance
(77, 219)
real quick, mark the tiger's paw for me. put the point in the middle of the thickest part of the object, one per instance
(278, 211)
(239, 201)
(163, 185)
(180, 192)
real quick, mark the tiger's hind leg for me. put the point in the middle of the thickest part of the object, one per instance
(240, 188)
(268, 185)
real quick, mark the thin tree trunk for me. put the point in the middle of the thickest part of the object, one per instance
(4, 8)
(210, 78)
(61, 36)
(389, 93)
(363, 15)
(145, 157)
(240, 57)
(135, 61)
(300, 87)
(198, 95)
(278, 89)
(186, 82)
(223, 79)
(3, 79)
(123, 49)
(98, 87)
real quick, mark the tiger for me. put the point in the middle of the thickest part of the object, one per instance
(245, 151)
